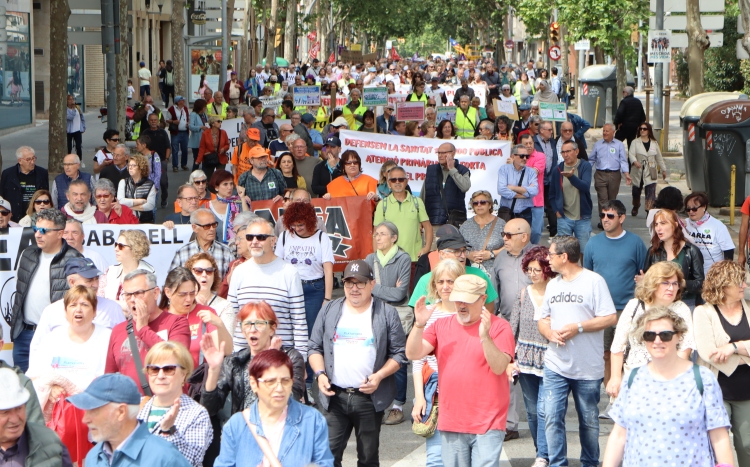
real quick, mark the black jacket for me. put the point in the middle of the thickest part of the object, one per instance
(322, 177)
(629, 116)
(27, 264)
(692, 266)
(233, 379)
(13, 192)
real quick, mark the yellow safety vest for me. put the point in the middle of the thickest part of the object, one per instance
(414, 98)
(224, 107)
(349, 115)
(465, 125)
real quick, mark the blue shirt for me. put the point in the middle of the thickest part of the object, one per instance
(141, 448)
(618, 261)
(508, 175)
(316, 138)
(609, 156)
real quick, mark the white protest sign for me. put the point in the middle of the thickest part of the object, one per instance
(480, 91)
(446, 113)
(659, 47)
(374, 97)
(272, 102)
(306, 96)
(233, 128)
(507, 108)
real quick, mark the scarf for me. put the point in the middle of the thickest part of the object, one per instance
(384, 258)
(232, 210)
(86, 217)
(701, 221)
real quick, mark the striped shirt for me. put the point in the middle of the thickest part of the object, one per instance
(430, 359)
(278, 284)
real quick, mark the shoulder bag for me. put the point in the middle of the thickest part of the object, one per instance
(196, 380)
(504, 213)
(405, 312)
(484, 247)
(138, 362)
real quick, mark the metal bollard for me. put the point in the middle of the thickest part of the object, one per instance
(732, 188)
(596, 113)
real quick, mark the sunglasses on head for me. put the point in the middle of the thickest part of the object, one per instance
(260, 237)
(665, 336)
(693, 209)
(608, 215)
(169, 370)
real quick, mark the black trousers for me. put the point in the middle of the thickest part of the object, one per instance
(551, 216)
(354, 410)
(75, 136)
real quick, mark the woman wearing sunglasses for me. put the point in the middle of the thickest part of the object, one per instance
(206, 272)
(130, 249)
(531, 345)
(483, 233)
(706, 232)
(178, 298)
(669, 411)
(40, 200)
(229, 374)
(662, 286)
(722, 334)
(171, 414)
(646, 165)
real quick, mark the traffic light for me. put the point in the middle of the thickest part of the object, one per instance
(554, 32)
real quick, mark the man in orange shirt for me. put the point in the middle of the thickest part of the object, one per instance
(245, 152)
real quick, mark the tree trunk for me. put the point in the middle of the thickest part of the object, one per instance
(290, 33)
(563, 68)
(271, 45)
(598, 55)
(249, 32)
(697, 44)
(58, 57)
(619, 56)
(121, 65)
(745, 14)
(320, 26)
(178, 47)
(228, 32)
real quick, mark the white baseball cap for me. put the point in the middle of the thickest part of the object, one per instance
(12, 394)
(5, 203)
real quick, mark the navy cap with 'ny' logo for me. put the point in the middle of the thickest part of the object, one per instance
(359, 270)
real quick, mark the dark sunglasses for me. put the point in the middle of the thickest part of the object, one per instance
(41, 201)
(169, 370)
(351, 163)
(608, 215)
(199, 182)
(41, 230)
(693, 209)
(480, 202)
(643, 128)
(115, 139)
(510, 235)
(209, 226)
(397, 179)
(260, 237)
(121, 246)
(522, 156)
(665, 336)
(4, 213)
(199, 271)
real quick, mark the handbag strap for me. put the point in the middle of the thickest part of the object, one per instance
(137, 359)
(263, 443)
(520, 181)
(203, 332)
(442, 192)
(487, 240)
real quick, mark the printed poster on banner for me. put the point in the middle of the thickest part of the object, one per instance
(374, 97)
(446, 113)
(164, 243)
(553, 111)
(341, 101)
(484, 158)
(509, 109)
(306, 96)
(659, 46)
(410, 111)
(348, 223)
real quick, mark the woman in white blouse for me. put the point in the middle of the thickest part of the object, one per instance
(130, 249)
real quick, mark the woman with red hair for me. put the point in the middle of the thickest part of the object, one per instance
(230, 374)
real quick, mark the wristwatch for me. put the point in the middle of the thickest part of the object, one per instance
(492, 254)
(172, 430)
(580, 328)
(318, 373)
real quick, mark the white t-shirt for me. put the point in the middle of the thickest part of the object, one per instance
(576, 301)
(100, 157)
(99, 261)
(145, 76)
(712, 238)
(307, 255)
(182, 118)
(353, 348)
(35, 303)
(76, 125)
(78, 362)
(510, 98)
(130, 92)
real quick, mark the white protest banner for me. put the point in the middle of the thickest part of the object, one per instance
(659, 47)
(553, 111)
(306, 96)
(233, 128)
(480, 91)
(509, 109)
(410, 111)
(272, 102)
(164, 244)
(484, 158)
(450, 93)
(374, 97)
(446, 113)
(397, 97)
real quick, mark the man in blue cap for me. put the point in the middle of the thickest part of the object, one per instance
(111, 404)
(522, 124)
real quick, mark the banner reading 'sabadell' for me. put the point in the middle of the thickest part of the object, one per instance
(348, 223)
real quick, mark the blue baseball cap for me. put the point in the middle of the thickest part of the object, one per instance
(107, 388)
(179, 98)
(84, 267)
(523, 107)
(308, 118)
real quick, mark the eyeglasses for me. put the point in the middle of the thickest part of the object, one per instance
(41, 230)
(169, 370)
(693, 209)
(522, 156)
(566, 152)
(272, 383)
(199, 182)
(397, 180)
(259, 325)
(199, 271)
(351, 163)
(351, 284)
(608, 215)
(567, 130)
(510, 235)
(459, 252)
(136, 294)
(665, 336)
(121, 246)
(185, 294)
(191, 199)
(286, 198)
(552, 253)
(104, 196)
(533, 271)
(68, 164)
(480, 202)
(260, 237)
(41, 201)
(209, 226)
(670, 285)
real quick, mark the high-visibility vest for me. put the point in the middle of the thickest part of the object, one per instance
(349, 115)
(137, 129)
(465, 125)
(414, 98)
(224, 107)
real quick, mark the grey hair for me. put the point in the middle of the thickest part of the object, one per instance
(267, 111)
(242, 219)
(107, 185)
(289, 141)
(150, 277)
(517, 148)
(21, 150)
(568, 245)
(296, 112)
(536, 119)
(53, 215)
(122, 146)
(233, 108)
(571, 142)
(195, 174)
(1, 333)
(390, 226)
(78, 181)
(78, 159)
(133, 410)
(184, 187)
(629, 90)
(249, 110)
(355, 90)
(260, 220)
(611, 125)
(198, 212)
(74, 221)
(487, 125)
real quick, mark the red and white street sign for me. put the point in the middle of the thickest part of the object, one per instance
(691, 132)
(709, 140)
(554, 53)
(585, 89)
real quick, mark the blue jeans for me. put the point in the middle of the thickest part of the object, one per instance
(468, 450)
(537, 224)
(314, 293)
(580, 229)
(434, 448)
(586, 397)
(532, 387)
(21, 346)
(180, 142)
(401, 379)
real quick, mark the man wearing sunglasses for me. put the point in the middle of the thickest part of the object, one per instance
(517, 185)
(5, 213)
(356, 346)
(204, 225)
(41, 268)
(609, 157)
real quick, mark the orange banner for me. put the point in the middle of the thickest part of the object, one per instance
(348, 223)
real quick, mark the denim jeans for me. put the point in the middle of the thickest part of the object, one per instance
(180, 146)
(314, 293)
(468, 450)
(586, 395)
(434, 447)
(354, 410)
(580, 229)
(537, 224)
(532, 387)
(401, 379)
(21, 346)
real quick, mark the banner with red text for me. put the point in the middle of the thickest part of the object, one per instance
(348, 223)
(483, 158)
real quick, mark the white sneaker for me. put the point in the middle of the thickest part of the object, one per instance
(539, 462)
(605, 413)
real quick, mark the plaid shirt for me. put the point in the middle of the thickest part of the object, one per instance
(194, 433)
(271, 185)
(221, 253)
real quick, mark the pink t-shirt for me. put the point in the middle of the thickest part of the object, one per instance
(462, 367)
(538, 161)
(196, 330)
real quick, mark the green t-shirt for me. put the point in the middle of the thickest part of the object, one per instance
(407, 216)
(421, 287)
(155, 415)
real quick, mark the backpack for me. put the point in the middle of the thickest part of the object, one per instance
(413, 198)
(696, 375)
(563, 88)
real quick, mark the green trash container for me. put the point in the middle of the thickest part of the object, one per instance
(692, 144)
(725, 127)
(599, 81)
